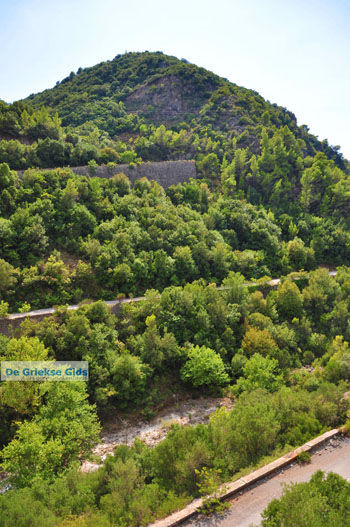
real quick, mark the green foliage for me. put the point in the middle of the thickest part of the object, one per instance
(321, 502)
(22, 398)
(110, 242)
(269, 199)
(139, 483)
(204, 367)
(208, 486)
(260, 372)
(129, 376)
(64, 429)
(304, 457)
(31, 455)
(4, 309)
(289, 300)
(106, 226)
(258, 341)
(338, 367)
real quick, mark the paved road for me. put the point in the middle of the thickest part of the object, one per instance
(50, 310)
(74, 307)
(247, 508)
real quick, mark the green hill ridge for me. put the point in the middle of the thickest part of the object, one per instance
(123, 100)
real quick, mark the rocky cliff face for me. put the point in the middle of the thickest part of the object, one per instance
(166, 100)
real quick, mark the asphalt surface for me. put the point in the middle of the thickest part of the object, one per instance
(51, 310)
(246, 509)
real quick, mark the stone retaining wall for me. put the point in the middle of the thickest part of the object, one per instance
(166, 173)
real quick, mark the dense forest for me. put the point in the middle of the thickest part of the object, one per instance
(283, 354)
(269, 200)
(66, 238)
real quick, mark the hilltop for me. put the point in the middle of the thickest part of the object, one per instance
(161, 89)
(120, 102)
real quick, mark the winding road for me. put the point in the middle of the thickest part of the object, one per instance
(246, 508)
(113, 303)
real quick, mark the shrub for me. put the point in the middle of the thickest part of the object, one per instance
(304, 457)
(204, 367)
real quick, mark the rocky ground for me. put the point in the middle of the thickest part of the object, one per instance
(121, 430)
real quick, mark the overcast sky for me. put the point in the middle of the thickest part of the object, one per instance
(293, 52)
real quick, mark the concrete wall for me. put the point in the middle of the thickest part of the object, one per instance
(166, 173)
(242, 484)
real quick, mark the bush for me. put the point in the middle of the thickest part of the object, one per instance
(204, 367)
(304, 458)
(322, 502)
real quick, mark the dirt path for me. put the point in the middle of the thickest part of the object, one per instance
(246, 508)
(124, 431)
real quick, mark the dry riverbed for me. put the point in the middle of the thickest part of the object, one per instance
(124, 430)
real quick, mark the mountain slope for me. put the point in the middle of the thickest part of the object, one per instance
(118, 95)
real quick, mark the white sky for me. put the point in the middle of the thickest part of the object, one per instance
(294, 53)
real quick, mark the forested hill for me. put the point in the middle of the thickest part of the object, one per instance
(116, 111)
(269, 197)
(158, 89)
(161, 89)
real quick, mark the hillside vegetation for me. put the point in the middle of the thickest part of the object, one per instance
(269, 200)
(270, 197)
(142, 106)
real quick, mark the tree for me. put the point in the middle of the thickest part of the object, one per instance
(64, 430)
(320, 293)
(4, 309)
(68, 415)
(129, 378)
(220, 260)
(30, 236)
(122, 183)
(6, 236)
(122, 277)
(289, 300)
(297, 256)
(338, 366)
(23, 397)
(204, 367)
(209, 166)
(260, 372)
(315, 181)
(185, 268)
(51, 153)
(23, 509)
(7, 276)
(228, 177)
(70, 194)
(235, 290)
(7, 177)
(249, 431)
(258, 341)
(154, 349)
(31, 455)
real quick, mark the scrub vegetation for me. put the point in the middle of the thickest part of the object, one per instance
(270, 199)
